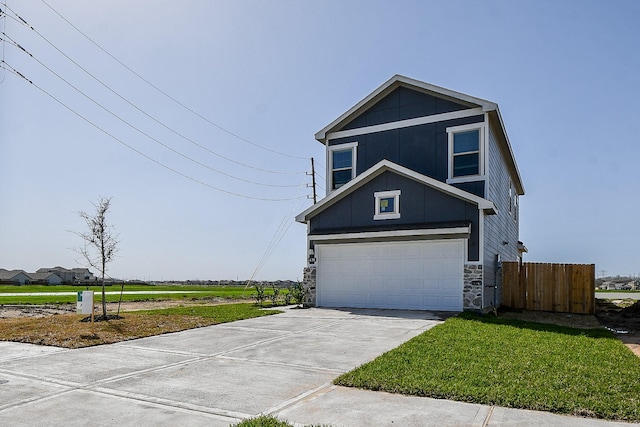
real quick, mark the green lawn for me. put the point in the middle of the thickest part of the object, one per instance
(511, 363)
(221, 313)
(203, 292)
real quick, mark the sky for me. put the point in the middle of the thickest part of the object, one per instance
(201, 129)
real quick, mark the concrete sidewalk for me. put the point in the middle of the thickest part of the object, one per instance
(214, 376)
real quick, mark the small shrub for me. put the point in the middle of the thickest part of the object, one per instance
(299, 293)
(267, 421)
(274, 295)
(286, 294)
(260, 293)
(262, 421)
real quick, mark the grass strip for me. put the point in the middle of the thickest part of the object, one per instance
(266, 421)
(511, 363)
(66, 330)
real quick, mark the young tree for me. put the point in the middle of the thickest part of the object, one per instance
(100, 243)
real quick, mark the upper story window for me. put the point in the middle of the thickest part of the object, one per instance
(465, 151)
(341, 164)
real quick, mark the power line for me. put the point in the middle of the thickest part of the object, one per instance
(17, 73)
(4, 24)
(166, 94)
(278, 235)
(139, 130)
(25, 23)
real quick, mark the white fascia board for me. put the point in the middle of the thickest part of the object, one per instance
(450, 231)
(399, 80)
(511, 161)
(383, 166)
(405, 123)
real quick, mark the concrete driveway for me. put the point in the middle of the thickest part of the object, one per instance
(214, 376)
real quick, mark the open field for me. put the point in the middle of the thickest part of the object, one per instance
(29, 294)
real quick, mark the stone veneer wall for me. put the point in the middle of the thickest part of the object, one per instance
(309, 283)
(472, 293)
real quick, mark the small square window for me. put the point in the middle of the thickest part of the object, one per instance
(387, 205)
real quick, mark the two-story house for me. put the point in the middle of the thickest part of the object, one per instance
(421, 205)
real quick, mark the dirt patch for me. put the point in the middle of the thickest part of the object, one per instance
(580, 321)
(17, 311)
(622, 317)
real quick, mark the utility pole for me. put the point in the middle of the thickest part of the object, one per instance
(313, 181)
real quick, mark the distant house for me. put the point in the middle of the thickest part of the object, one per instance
(65, 274)
(14, 276)
(82, 274)
(69, 275)
(45, 278)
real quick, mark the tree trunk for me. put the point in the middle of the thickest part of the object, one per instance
(104, 296)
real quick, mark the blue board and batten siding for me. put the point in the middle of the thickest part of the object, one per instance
(500, 230)
(403, 104)
(422, 148)
(420, 207)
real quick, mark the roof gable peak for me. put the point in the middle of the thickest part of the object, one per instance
(389, 86)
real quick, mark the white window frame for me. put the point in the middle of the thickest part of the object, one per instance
(339, 147)
(451, 131)
(379, 195)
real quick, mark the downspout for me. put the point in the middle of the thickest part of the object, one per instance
(497, 269)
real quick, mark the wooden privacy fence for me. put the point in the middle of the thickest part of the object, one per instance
(565, 288)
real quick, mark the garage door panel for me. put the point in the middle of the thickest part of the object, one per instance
(412, 284)
(424, 275)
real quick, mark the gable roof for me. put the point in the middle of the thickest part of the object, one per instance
(384, 166)
(491, 108)
(11, 274)
(43, 276)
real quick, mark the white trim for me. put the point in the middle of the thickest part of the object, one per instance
(385, 165)
(395, 194)
(510, 158)
(451, 131)
(487, 148)
(481, 240)
(452, 231)
(339, 147)
(405, 123)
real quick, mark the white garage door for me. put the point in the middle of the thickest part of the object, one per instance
(420, 275)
